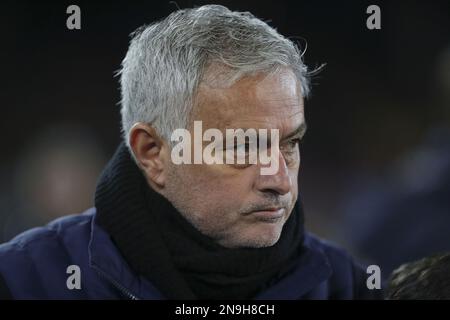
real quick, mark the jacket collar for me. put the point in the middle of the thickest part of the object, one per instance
(106, 260)
(311, 269)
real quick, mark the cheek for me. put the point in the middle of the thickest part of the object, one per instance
(224, 185)
(293, 175)
(297, 160)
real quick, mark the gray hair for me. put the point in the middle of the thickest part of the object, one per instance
(167, 60)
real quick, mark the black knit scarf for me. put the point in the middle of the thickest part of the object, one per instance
(159, 244)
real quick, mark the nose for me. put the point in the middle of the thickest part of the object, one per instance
(279, 183)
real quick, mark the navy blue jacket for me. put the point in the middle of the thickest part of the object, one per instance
(34, 266)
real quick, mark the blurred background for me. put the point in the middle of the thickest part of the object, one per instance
(375, 173)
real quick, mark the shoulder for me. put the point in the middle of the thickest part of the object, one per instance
(45, 252)
(59, 231)
(348, 278)
(335, 254)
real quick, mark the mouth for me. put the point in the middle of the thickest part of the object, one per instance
(270, 215)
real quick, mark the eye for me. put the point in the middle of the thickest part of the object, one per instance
(291, 145)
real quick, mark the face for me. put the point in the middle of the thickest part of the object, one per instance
(234, 204)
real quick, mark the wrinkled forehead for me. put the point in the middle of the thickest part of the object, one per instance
(271, 101)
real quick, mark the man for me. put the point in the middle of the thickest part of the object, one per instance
(198, 229)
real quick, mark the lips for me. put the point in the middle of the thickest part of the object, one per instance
(269, 214)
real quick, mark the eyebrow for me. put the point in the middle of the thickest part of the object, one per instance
(297, 133)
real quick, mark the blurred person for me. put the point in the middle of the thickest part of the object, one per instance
(55, 173)
(407, 208)
(161, 230)
(425, 279)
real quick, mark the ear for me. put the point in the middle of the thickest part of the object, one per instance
(150, 151)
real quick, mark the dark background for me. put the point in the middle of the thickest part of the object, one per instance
(374, 161)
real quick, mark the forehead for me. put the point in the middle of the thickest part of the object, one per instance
(261, 101)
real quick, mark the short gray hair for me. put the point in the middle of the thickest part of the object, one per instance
(167, 60)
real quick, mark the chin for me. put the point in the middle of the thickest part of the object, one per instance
(261, 236)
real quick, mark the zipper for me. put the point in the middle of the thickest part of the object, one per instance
(117, 285)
